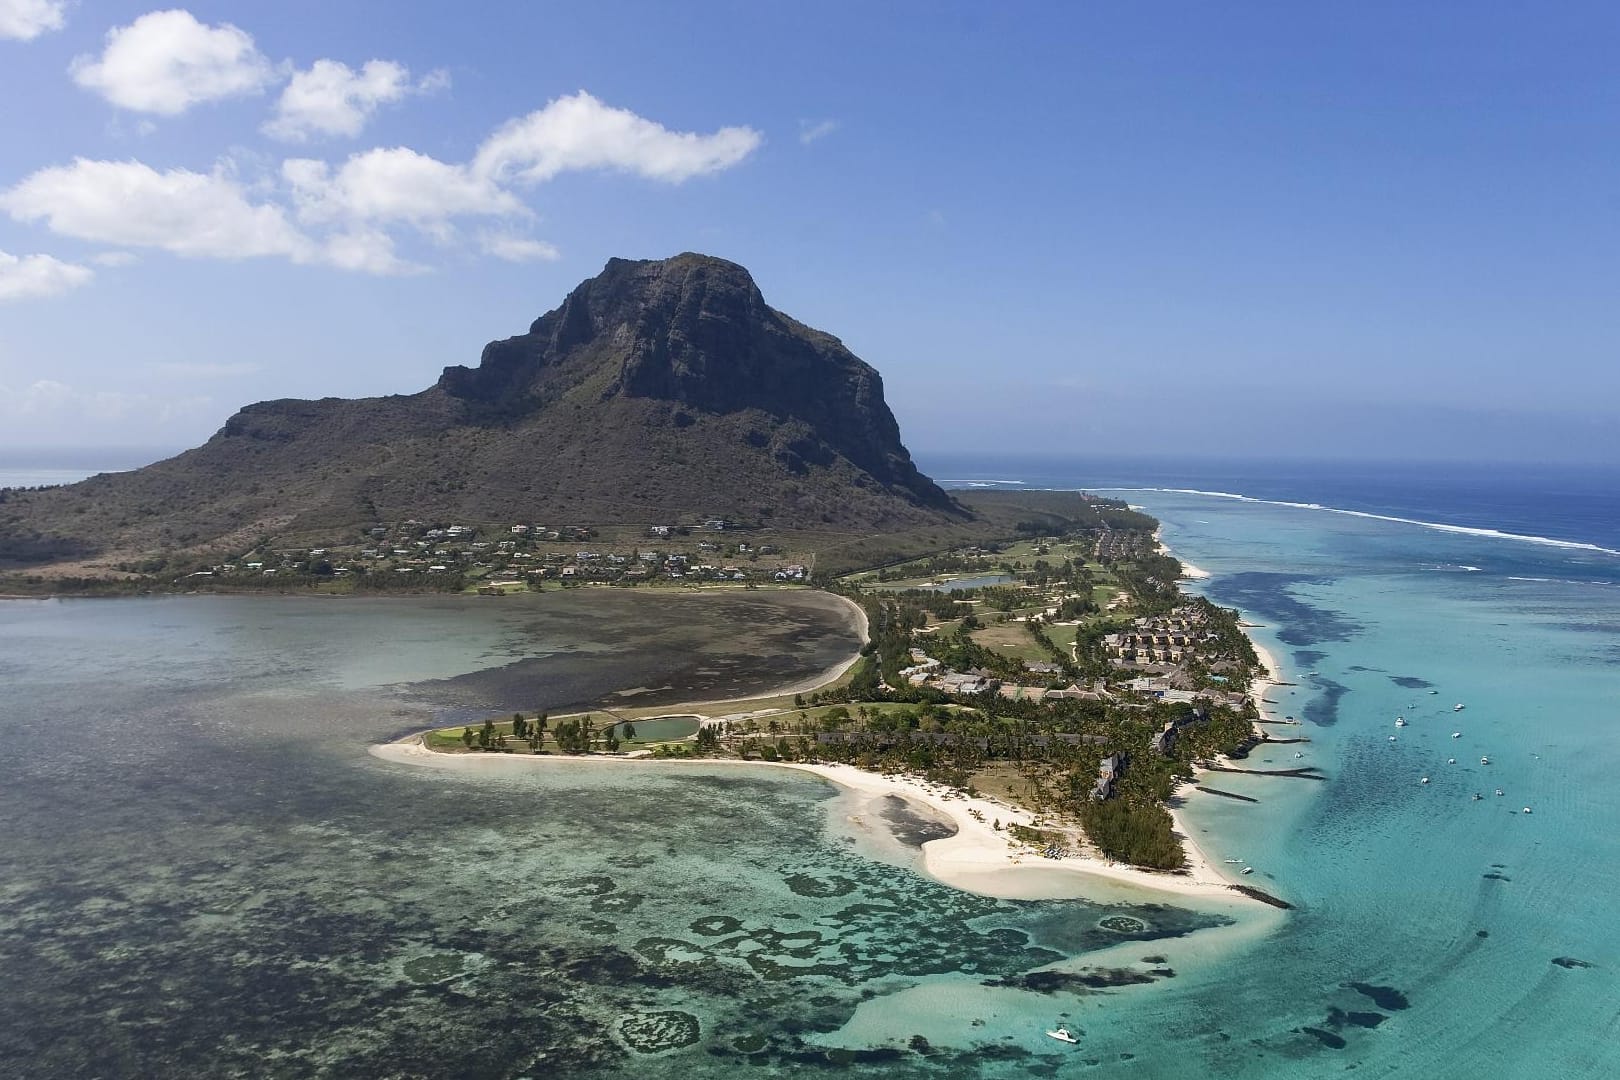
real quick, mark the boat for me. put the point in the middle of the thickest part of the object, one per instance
(1457, 707)
(1451, 761)
(1477, 796)
(1400, 721)
(1527, 809)
(1456, 734)
(1234, 860)
(1499, 791)
(1434, 691)
(1061, 1034)
(1425, 780)
(1392, 738)
(1247, 870)
(1484, 761)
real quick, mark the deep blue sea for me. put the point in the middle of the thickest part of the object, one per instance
(205, 874)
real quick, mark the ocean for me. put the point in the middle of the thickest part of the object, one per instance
(205, 873)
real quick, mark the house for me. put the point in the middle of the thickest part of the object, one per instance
(1108, 771)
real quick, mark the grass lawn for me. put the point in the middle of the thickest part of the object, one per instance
(1011, 639)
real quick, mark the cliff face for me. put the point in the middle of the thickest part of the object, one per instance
(658, 390)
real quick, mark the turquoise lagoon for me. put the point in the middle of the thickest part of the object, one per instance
(205, 873)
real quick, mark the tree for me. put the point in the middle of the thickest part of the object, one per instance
(629, 731)
(518, 725)
(467, 737)
(487, 734)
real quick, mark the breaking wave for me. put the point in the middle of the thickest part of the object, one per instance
(1438, 526)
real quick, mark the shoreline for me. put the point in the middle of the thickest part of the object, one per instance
(978, 859)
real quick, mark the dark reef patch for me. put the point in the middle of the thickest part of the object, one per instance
(1074, 982)
(1410, 682)
(1325, 1037)
(1323, 709)
(1269, 595)
(1385, 997)
(1308, 657)
(809, 885)
(654, 1032)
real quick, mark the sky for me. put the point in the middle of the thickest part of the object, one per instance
(1370, 231)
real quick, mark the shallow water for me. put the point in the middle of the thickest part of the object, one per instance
(205, 873)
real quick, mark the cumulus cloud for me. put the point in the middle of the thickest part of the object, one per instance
(811, 130)
(166, 61)
(333, 99)
(25, 20)
(394, 185)
(201, 215)
(580, 132)
(516, 248)
(115, 258)
(32, 277)
(349, 215)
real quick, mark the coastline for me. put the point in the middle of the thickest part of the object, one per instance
(978, 859)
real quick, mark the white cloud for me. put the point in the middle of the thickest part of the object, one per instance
(516, 248)
(115, 258)
(25, 20)
(580, 132)
(367, 251)
(33, 277)
(205, 215)
(392, 186)
(811, 130)
(332, 99)
(166, 61)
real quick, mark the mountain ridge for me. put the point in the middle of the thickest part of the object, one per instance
(657, 389)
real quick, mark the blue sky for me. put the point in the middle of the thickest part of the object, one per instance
(1371, 230)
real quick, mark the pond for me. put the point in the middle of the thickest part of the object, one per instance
(661, 728)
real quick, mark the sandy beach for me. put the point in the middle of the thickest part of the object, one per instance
(979, 858)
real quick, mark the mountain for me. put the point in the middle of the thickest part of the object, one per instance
(658, 392)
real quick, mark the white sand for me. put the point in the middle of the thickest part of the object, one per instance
(978, 859)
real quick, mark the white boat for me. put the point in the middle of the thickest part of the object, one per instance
(1457, 707)
(1392, 738)
(1527, 809)
(1499, 791)
(1400, 721)
(1451, 761)
(1484, 761)
(1434, 691)
(1061, 1034)
(1456, 734)
(1478, 796)
(1425, 780)
(1247, 870)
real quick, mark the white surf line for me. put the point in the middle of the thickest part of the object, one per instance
(1438, 526)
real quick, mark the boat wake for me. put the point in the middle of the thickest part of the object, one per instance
(1438, 526)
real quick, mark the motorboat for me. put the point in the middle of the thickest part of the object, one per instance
(1061, 1034)
(1527, 809)
(1392, 738)
(1247, 870)
(1434, 691)
(1499, 791)
(1456, 734)
(1477, 796)
(1458, 707)
(1484, 761)
(1425, 780)
(1400, 721)
(1451, 761)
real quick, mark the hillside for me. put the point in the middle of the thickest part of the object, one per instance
(657, 391)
